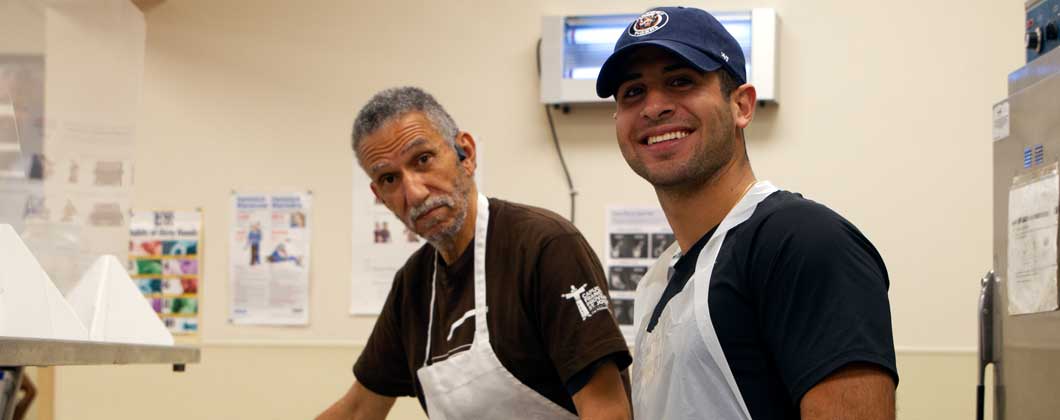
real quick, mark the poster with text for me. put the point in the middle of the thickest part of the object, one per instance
(636, 237)
(165, 260)
(269, 253)
(381, 244)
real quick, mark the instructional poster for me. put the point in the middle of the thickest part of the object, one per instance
(636, 236)
(381, 244)
(165, 261)
(1032, 235)
(269, 258)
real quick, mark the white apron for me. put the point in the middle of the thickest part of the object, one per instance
(680, 370)
(473, 384)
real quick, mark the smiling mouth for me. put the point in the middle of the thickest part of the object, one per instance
(673, 135)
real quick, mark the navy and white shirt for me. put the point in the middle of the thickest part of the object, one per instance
(797, 292)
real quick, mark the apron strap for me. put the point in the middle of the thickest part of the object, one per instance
(430, 322)
(482, 334)
(701, 281)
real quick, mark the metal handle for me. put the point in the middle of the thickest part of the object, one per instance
(979, 402)
(986, 337)
(986, 321)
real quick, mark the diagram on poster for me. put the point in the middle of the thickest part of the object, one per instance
(269, 258)
(165, 254)
(636, 236)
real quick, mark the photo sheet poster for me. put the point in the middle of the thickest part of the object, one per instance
(269, 258)
(165, 262)
(381, 244)
(636, 236)
(1032, 235)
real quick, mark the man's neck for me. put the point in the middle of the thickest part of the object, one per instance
(692, 213)
(451, 250)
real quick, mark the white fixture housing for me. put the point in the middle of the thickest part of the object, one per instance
(573, 48)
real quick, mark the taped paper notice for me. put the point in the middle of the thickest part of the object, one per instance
(1032, 234)
(269, 258)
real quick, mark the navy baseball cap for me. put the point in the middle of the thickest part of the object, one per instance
(692, 34)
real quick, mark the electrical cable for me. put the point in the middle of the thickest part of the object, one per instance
(555, 141)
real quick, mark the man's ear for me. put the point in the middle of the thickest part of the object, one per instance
(744, 100)
(465, 144)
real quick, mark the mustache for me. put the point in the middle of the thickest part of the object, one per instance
(429, 204)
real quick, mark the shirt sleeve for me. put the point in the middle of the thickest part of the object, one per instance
(574, 314)
(383, 365)
(823, 297)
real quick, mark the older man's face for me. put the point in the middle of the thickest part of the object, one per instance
(417, 174)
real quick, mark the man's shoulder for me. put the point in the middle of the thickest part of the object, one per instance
(787, 211)
(787, 221)
(528, 222)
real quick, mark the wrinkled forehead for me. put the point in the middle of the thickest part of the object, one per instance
(396, 136)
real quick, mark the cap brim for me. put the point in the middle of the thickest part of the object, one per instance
(611, 72)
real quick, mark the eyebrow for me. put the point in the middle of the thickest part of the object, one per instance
(627, 77)
(419, 141)
(413, 144)
(634, 76)
(374, 170)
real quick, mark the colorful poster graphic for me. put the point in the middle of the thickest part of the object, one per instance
(269, 259)
(164, 261)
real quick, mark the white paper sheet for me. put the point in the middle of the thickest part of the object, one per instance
(269, 258)
(381, 244)
(636, 236)
(1032, 234)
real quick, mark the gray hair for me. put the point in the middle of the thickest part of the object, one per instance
(395, 102)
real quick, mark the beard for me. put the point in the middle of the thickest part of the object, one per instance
(699, 169)
(457, 201)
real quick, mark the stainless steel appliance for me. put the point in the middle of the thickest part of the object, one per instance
(1023, 349)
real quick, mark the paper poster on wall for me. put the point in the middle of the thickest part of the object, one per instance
(1032, 233)
(636, 236)
(165, 261)
(269, 255)
(381, 244)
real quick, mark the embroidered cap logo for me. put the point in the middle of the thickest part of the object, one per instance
(649, 22)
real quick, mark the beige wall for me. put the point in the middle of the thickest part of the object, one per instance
(884, 115)
(22, 27)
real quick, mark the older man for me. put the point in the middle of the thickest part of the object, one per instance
(777, 307)
(503, 314)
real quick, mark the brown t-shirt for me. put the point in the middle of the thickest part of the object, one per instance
(542, 331)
